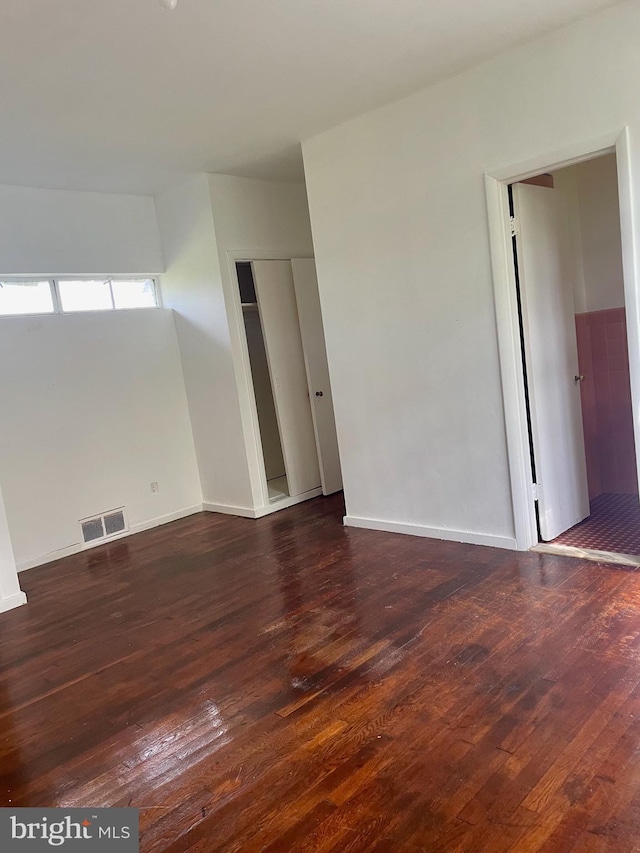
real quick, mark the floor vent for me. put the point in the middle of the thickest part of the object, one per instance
(103, 526)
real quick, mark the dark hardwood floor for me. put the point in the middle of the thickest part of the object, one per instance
(291, 685)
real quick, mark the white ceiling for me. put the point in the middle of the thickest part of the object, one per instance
(123, 96)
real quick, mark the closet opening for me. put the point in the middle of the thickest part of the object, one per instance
(270, 437)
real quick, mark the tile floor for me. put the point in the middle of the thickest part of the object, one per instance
(614, 525)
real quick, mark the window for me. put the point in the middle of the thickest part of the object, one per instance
(70, 295)
(25, 297)
(106, 293)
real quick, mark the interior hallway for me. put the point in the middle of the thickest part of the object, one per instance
(290, 684)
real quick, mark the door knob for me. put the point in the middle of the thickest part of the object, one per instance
(319, 394)
(579, 378)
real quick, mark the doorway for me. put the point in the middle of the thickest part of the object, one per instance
(569, 282)
(271, 442)
(566, 468)
(293, 418)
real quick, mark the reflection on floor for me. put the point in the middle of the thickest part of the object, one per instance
(278, 488)
(614, 525)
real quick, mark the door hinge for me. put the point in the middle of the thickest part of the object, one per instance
(536, 489)
(515, 226)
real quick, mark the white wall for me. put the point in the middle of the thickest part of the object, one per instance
(254, 219)
(201, 222)
(10, 593)
(599, 207)
(93, 410)
(399, 222)
(56, 231)
(192, 286)
(254, 214)
(591, 192)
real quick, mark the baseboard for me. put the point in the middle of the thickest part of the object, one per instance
(11, 601)
(465, 537)
(165, 519)
(259, 512)
(283, 503)
(77, 547)
(228, 509)
(49, 557)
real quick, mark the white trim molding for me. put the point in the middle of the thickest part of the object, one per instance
(284, 503)
(227, 509)
(165, 519)
(466, 537)
(260, 511)
(12, 601)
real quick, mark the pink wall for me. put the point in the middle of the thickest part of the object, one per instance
(606, 402)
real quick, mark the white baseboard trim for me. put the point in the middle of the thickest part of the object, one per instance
(11, 601)
(259, 512)
(227, 509)
(165, 519)
(432, 532)
(283, 503)
(77, 547)
(50, 556)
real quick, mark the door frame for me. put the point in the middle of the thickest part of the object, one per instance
(506, 307)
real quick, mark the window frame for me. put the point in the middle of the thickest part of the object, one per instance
(57, 302)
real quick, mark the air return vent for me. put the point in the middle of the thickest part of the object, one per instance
(103, 526)
(92, 529)
(114, 523)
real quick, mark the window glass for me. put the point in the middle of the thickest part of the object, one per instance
(94, 295)
(25, 297)
(135, 293)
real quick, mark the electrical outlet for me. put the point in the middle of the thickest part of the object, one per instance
(155, 488)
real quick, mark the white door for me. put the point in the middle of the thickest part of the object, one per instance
(315, 358)
(281, 329)
(546, 287)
